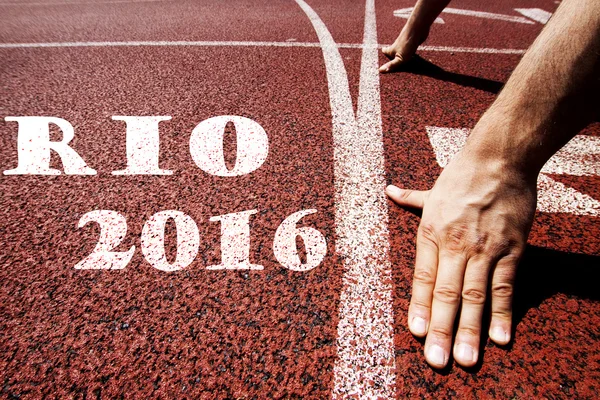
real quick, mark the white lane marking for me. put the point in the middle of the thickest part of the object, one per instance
(471, 13)
(471, 50)
(178, 43)
(405, 13)
(79, 3)
(365, 365)
(167, 43)
(581, 157)
(366, 362)
(487, 15)
(536, 14)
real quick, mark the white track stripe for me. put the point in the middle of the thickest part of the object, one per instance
(164, 43)
(365, 364)
(79, 3)
(471, 50)
(365, 367)
(487, 15)
(177, 43)
(578, 157)
(536, 14)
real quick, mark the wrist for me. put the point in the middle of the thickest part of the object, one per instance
(510, 142)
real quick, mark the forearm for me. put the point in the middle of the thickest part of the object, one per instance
(424, 14)
(552, 94)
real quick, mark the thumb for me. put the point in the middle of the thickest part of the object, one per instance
(391, 66)
(407, 197)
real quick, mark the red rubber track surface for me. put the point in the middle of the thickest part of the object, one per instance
(144, 333)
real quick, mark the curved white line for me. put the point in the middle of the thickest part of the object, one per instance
(365, 367)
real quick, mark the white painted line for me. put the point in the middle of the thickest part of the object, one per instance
(79, 3)
(536, 14)
(446, 142)
(555, 197)
(471, 50)
(177, 43)
(580, 157)
(405, 13)
(487, 15)
(365, 367)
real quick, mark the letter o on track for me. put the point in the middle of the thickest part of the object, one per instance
(206, 145)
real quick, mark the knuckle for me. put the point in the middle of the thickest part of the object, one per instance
(473, 296)
(420, 304)
(441, 331)
(469, 330)
(504, 247)
(455, 237)
(479, 246)
(446, 294)
(427, 233)
(424, 276)
(503, 315)
(502, 290)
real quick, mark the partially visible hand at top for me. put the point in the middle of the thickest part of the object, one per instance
(473, 231)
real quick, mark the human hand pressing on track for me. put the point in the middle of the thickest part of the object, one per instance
(477, 216)
(473, 231)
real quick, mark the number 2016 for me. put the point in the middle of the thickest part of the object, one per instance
(235, 241)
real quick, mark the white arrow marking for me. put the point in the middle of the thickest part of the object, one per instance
(580, 157)
(405, 13)
(536, 14)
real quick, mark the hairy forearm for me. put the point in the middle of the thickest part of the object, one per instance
(553, 93)
(424, 14)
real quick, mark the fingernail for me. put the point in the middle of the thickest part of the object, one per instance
(465, 352)
(499, 335)
(417, 326)
(436, 355)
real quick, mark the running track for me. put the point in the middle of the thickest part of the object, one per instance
(215, 289)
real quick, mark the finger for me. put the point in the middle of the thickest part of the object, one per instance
(407, 197)
(503, 281)
(468, 336)
(446, 299)
(419, 311)
(392, 65)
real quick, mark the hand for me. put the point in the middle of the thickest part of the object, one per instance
(473, 231)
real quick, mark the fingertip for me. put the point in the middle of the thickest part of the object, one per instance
(385, 68)
(436, 356)
(418, 326)
(500, 335)
(465, 354)
(393, 191)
